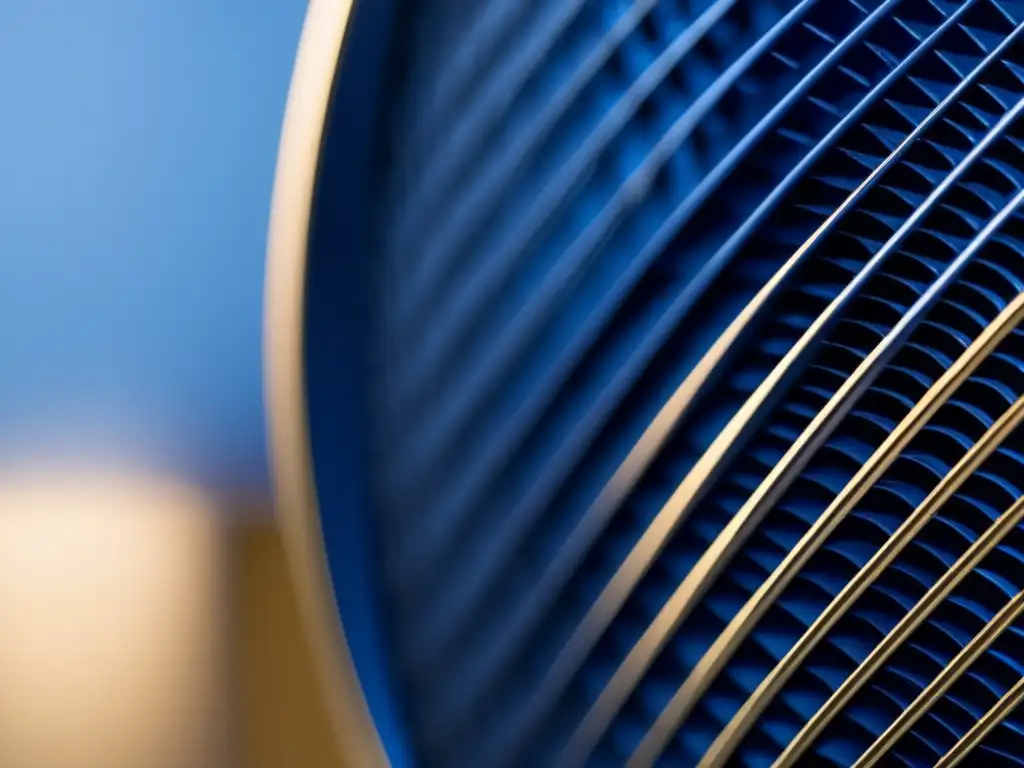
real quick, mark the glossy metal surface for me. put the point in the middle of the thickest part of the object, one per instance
(696, 381)
(294, 190)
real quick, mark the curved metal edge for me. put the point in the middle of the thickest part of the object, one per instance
(983, 727)
(306, 114)
(884, 745)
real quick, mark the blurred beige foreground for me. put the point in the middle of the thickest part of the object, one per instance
(144, 625)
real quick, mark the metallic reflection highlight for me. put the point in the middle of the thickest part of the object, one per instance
(718, 554)
(295, 183)
(941, 684)
(741, 626)
(896, 637)
(988, 722)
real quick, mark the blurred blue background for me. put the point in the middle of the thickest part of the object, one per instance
(138, 149)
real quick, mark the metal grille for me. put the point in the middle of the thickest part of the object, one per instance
(696, 414)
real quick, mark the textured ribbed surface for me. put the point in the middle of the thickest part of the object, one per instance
(696, 418)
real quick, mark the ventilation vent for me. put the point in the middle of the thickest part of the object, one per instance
(697, 422)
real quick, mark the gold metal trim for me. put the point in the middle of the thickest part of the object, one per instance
(910, 622)
(674, 513)
(298, 158)
(696, 583)
(720, 751)
(988, 722)
(678, 709)
(944, 681)
(611, 599)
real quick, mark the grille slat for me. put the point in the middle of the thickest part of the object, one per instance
(701, 574)
(806, 506)
(695, 402)
(504, 538)
(617, 481)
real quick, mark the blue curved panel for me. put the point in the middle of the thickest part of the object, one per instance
(690, 383)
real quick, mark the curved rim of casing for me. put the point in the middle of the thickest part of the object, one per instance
(298, 159)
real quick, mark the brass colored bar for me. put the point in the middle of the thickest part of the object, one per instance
(914, 619)
(988, 722)
(952, 672)
(729, 641)
(696, 583)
